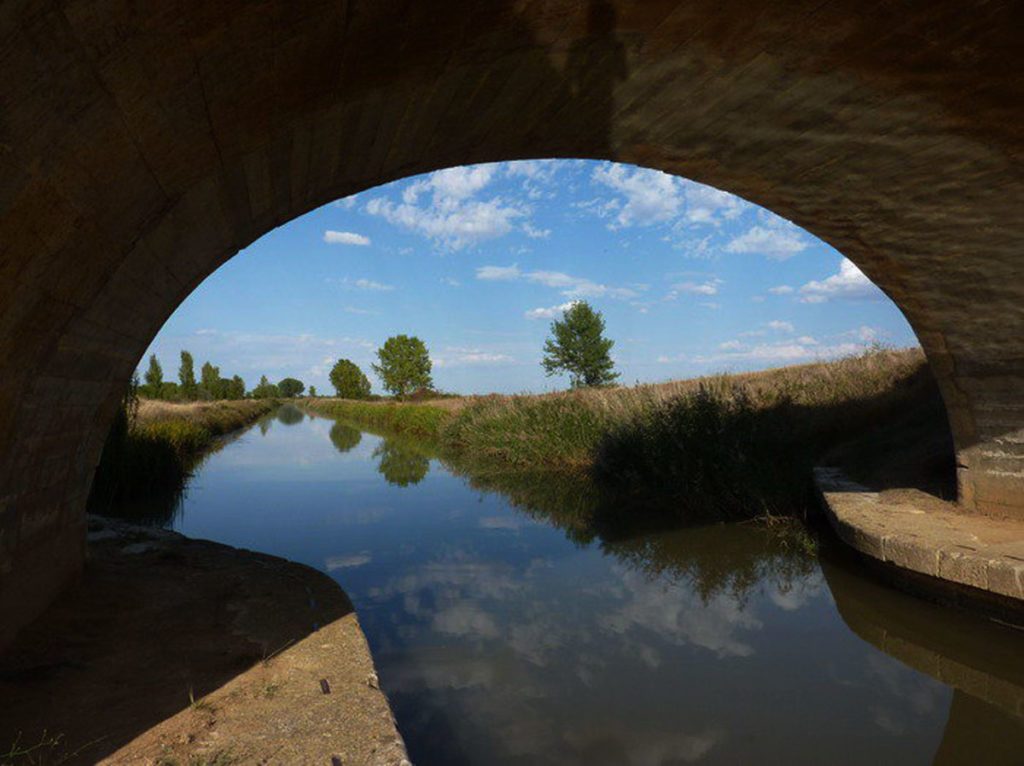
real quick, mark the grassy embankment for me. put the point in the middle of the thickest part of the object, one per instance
(153, 446)
(724, 447)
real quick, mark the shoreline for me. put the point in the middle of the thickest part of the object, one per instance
(170, 649)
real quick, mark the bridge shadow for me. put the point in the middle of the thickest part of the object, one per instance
(157, 622)
(981, 660)
(143, 634)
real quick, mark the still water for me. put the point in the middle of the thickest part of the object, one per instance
(505, 633)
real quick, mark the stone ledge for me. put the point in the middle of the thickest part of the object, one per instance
(930, 538)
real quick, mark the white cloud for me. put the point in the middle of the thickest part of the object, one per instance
(552, 312)
(347, 283)
(535, 170)
(849, 283)
(570, 286)
(709, 287)
(355, 310)
(450, 281)
(865, 334)
(345, 238)
(779, 326)
(503, 273)
(369, 284)
(708, 205)
(650, 195)
(442, 208)
(461, 182)
(534, 233)
(774, 238)
(803, 349)
(780, 290)
(346, 203)
(333, 563)
(251, 354)
(458, 356)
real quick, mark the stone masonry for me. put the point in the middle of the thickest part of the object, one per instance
(143, 144)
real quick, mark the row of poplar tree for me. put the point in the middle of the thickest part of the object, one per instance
(210, 385)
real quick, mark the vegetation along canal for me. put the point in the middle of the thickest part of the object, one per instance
(504, 632)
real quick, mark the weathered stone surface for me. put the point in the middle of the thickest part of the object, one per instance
(142, 147)
(975, 551)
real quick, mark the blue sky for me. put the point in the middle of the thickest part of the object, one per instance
(478, 260)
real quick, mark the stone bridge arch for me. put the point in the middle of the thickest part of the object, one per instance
(143, 144)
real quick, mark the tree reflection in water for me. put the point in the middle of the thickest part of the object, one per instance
(290, 415)
(711, 556)
(345, 437)
(401, 463)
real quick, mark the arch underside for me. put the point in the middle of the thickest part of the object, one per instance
(140, 150)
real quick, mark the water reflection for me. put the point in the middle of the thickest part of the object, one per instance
(289, 415)
(510, 624)
(981, 660)
(345, 437)
(401, 463)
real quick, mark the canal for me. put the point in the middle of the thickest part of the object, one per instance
(504, 632)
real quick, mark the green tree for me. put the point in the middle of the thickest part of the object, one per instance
(187, 377)
(236, 388)
(291, 387)
(154, 378)
(404, 365)
(209, 376)
(312, 391)
(348, 380)
(170, 391)
(578, 347)
(265, 390)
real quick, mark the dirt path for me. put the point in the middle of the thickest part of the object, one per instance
(178, 651)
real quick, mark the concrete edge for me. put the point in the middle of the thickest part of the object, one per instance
(932, 554)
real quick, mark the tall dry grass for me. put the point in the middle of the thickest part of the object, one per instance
(724, 446)
(153, 446)
(566, 428)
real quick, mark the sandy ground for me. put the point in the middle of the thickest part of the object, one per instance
(178, 651)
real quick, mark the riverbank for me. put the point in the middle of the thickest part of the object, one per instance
(153, 446)
(179, 651)
(724, 447)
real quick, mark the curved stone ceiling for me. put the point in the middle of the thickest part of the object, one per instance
(142, 145)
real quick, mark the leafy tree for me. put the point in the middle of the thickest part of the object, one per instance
(312, 390)
(291, 387)
(187, 377)
(579, 347)
(209, 381)
(236, 388)
(170, 391)
(154, 377)
(265, 390)
(404, 365)
(348, 380)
